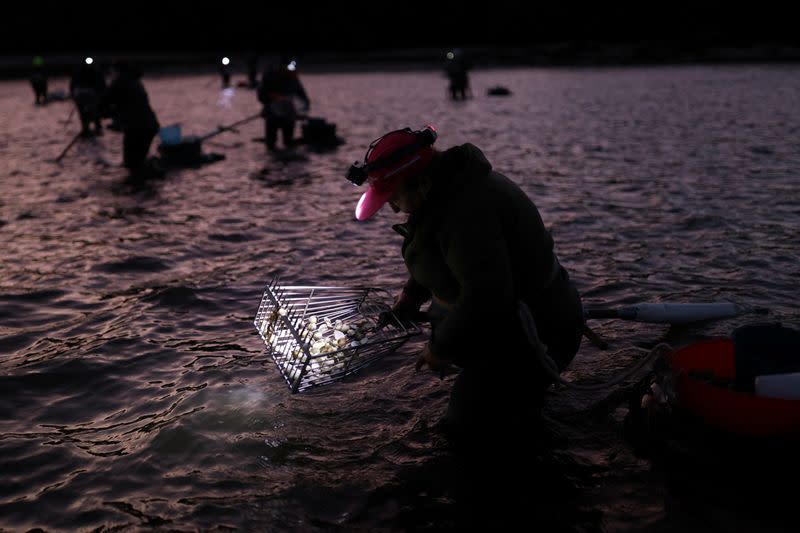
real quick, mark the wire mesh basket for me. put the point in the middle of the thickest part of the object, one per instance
(318, 335)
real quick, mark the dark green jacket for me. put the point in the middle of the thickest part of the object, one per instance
(480, 245)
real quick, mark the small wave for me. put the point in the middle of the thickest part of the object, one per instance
(11, 343)
(763, 150)
(177, 297)
(139, 263)
(701, 221)
(231, 237)
(34, 296)
(70, 198)
(73, 375)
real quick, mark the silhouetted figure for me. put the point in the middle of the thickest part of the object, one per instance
(127, 96)
(87, 88)
(225, 72)
(39, 81)
(457, 67)
(252, 70)
(277, 91)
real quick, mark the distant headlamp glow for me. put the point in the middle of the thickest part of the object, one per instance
(89, 60)
(225, 60)
(450, 55)
(292, 65)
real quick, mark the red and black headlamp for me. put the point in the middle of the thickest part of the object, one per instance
(359, 171)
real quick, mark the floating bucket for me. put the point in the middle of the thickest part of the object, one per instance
(728, 409)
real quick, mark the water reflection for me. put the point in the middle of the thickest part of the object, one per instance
(136, 388)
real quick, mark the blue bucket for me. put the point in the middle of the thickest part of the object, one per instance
(170, 134)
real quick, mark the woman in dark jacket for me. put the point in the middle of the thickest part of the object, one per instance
(475, 244)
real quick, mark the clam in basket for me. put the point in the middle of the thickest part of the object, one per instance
(318, 335)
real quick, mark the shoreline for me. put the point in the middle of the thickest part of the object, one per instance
(563, 54)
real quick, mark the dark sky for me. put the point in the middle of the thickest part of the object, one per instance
(173, 26)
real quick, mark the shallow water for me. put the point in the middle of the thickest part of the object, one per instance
(136, 392)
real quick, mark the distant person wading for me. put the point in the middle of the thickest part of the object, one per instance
(38, 81)
(127, 97)
(225, 72)
(457, 68)
(279, 87)
(88, 87)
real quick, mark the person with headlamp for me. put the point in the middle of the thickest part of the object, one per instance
(278, 89)
(475, 245)
(87, 86)
(128, 98)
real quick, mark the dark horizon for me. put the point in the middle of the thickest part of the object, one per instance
(183, 37)
(183, 27)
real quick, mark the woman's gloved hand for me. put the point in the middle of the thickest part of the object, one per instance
(403, 309)
(427, 357)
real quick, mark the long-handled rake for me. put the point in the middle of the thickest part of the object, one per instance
(65, 150)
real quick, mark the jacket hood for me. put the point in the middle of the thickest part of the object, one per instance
(461, 162)
(452, 170)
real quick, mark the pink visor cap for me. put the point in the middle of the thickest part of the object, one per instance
(390, 160)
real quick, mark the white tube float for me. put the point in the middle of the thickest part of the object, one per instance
(785, 386)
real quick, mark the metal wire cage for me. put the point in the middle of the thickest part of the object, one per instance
(318, 335)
